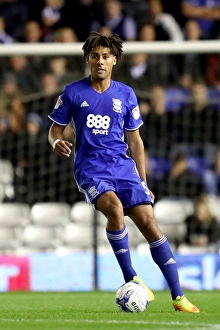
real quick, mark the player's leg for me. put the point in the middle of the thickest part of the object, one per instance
(109, 204)
(143, 217)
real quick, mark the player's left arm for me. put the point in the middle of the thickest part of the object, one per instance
(137, 153)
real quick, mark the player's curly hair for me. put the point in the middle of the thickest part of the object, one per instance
(114, 43)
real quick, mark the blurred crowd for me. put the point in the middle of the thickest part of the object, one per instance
(179, 95)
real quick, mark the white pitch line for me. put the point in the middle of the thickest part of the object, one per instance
(197, 326)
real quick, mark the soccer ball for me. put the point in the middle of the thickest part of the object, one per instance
(132, 297)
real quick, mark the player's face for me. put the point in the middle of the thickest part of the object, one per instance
(101, 62)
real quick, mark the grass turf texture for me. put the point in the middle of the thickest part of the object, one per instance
(98, 311)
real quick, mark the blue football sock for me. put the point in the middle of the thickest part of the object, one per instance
(119, 243)
(163, 257)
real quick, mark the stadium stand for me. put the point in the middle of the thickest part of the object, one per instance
(6, 179)
(50, 214)
(170, 215)
(38, 238)
(82, 212)
(9, 240)
(14, 214)
(37, 191)
(186, 249)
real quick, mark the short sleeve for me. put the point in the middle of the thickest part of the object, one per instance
(133, 118)
(61, 112)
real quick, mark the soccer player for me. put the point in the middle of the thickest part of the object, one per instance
(108, 170)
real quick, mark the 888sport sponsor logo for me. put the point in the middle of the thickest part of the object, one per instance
(100, 124)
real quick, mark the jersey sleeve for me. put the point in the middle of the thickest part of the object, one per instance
(132, 120)
(61, 112)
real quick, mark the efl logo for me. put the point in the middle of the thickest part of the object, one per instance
(136, 112)
(59, 102)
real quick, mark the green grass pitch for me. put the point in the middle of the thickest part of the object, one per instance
(98, 311)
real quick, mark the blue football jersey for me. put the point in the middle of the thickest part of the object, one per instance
(98, 120)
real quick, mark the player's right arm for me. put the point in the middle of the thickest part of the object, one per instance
(55, 138)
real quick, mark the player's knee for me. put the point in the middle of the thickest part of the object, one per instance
(115, 217)
(115, 211)
(148, 224)
(110, 205)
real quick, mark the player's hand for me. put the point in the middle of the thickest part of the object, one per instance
(63, 148)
